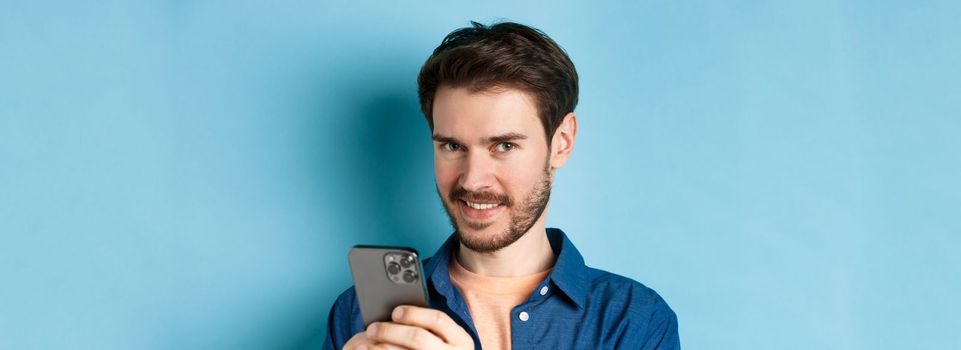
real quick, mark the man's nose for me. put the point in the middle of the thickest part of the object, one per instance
(478, 172)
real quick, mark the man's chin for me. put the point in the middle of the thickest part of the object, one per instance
(477, 230)
(488, 239)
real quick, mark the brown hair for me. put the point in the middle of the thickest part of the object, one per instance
(505, 54)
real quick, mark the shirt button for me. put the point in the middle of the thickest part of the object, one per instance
(544, 290)
(524, 316)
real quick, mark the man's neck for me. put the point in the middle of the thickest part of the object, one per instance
(530, 254)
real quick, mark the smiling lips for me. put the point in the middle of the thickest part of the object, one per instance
(481, 205)
(479, 211)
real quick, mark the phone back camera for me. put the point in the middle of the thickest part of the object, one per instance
(401, 267)
(410, 276)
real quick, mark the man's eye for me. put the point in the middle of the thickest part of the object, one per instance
(505, 147)
(451, 147)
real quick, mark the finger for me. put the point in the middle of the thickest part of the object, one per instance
(355, 342)
(435, 321)
(404, 335)
(385, 346)
(360, 342)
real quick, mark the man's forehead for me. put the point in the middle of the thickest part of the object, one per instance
(477, 116)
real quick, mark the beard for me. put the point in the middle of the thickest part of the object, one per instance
(523, 214)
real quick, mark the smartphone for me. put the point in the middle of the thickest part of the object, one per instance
(385, 277)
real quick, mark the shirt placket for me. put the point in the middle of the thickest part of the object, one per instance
(525, 318)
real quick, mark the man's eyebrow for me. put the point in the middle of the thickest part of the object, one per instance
(444, 139)
(511, 136)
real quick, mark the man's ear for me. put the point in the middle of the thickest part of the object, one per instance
(562, 143)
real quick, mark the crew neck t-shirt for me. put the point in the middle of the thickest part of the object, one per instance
(492, 299)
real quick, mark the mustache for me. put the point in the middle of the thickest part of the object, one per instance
(460, 193)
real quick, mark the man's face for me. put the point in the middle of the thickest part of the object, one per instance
(491, 161)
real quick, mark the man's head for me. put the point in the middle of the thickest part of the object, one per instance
(499, 101)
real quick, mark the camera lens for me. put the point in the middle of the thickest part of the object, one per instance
(406, 261)
(393, 268)
(409, 276)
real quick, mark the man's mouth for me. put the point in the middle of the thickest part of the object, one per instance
(479, 212)
(481, 206)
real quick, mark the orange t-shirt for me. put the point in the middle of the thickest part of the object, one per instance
(491, 299)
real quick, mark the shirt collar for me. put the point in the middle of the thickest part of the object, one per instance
(436, 268)
(569, 273)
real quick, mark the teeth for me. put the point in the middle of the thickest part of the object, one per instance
(480, 206)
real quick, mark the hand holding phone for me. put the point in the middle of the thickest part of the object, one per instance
(415, 327)
(392, 294)
(384, 278)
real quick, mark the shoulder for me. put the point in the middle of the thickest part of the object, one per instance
(346, 300)
(642, 316)
(346, 310)
(624, 291)
(344, 319)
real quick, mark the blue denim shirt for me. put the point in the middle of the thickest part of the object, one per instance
(575, 307)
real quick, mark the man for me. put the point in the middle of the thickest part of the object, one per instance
(499, 101)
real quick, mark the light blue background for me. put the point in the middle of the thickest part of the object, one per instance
(190, 174)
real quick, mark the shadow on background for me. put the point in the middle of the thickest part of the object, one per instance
(380, 177)
(389, 170)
